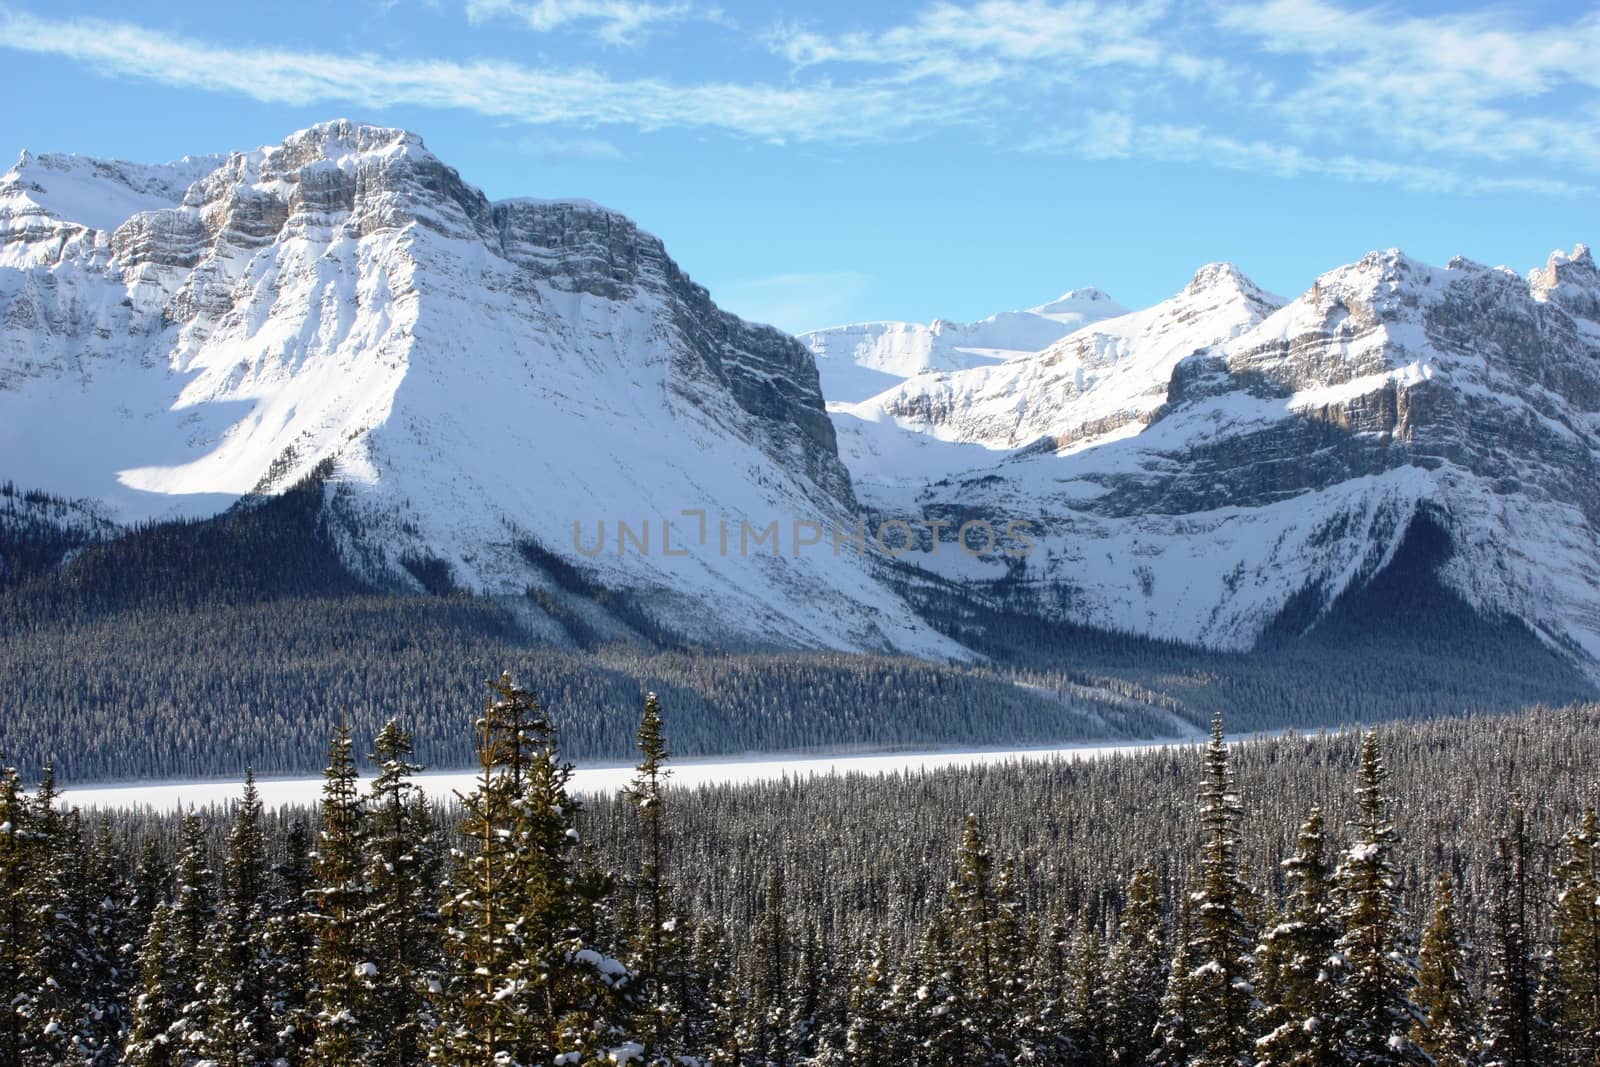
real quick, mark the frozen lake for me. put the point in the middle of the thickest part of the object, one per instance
(598, 778)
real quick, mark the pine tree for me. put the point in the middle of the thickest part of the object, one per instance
(111, 936)
(478, 1023)
(1138, 973)
(289, 945)
(1219, 978)
(871, 1040)
(1297, 981)
(399, 915)
(154, 1035)
(983, 926)
(937, 1016)
(576, 994)
(1176, 1040)
(53, 946)
(1375, 1012)
(1513, 1024)
(659, 942)
(193, 912)
(1577, 924)
(716, 1024)
(17, 982)
(1449, 1016)
(765, 1030)
(339, 969)
(239, 971)
(1087, 1024)
(526, 979)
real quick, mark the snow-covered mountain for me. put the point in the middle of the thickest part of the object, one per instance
(491, 381)
(865, 358)
(1205, 468)
(488, 382)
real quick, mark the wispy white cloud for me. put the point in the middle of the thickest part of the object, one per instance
(1119, 136)
(618, 22)
(795, 302)
(496, 88)
(1458, 103)
(1468, 85)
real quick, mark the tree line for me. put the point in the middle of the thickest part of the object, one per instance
(520, 926)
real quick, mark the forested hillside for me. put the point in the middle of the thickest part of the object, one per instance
(1429, 893)
(198, 648)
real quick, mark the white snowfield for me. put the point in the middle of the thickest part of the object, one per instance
(863, 359)
(605, 778)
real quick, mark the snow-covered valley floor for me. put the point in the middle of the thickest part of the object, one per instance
(599, 778)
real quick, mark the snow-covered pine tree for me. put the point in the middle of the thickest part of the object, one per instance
(1446, 1031)
(525, 979)
(1297, 979)
(112, 939)
(152, 881)
(1137, 973)
(483, 898)
(399, 915)
(936, 1019)
(289, 937)
(1375, 1012)
(870, 1039)
(1220, 956)
(54, 947)
(18, 987)
(153, 1037)
(716, 1024)
(574, 993)
(764, 1031)
(193, 913)
(239, 971)
(1087, 1023)
(1577, 924)
(339, 970)
(1175, 1041)
(660, 940)
(1513, 1028)
(985, 942)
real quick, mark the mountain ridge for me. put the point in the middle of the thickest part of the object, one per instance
(493, 384)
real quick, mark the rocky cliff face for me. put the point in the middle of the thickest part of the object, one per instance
(490, 380)
(1262, 454)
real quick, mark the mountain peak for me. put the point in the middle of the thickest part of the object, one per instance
(1219, 275)
(339, 137)
(1562, 267)
(1075, 300)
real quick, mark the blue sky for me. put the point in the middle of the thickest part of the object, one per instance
(828, 162)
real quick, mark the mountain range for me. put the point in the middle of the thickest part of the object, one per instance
(529, 400)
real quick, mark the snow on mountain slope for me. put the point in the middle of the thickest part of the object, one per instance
(1288, 459)
(1100, 381)
(491, 380)
(863, 359)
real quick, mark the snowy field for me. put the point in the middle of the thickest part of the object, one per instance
(280, 792)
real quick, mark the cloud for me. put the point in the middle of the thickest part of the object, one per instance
(1465, 85)
(1450, 103)
(1122, 137)
(795, 302)
(617, 22)
(495, 88)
